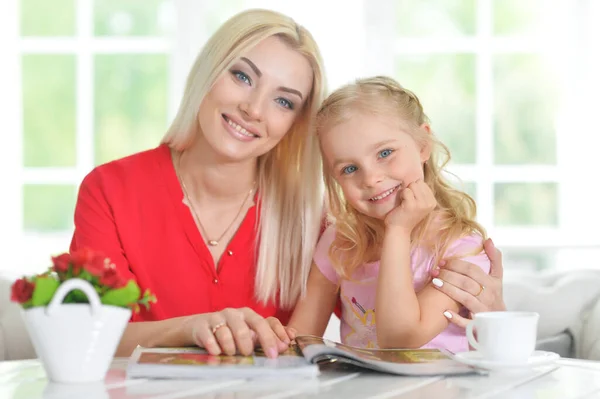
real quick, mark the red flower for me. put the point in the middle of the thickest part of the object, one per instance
(91, 261)
(61, 262)
(112, 278)
(22, 290)
(82, 256)
(97, 265)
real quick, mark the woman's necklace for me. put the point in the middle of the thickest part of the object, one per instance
(188, 202)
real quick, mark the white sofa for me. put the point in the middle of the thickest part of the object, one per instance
(568, 304)
(569, 308)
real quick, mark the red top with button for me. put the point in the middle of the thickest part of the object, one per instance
(131, 209)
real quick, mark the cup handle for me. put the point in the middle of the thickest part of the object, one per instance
(471, 337)
(75, 284)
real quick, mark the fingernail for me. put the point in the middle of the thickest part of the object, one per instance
(272, 353)
(437, 282)
(448, 314)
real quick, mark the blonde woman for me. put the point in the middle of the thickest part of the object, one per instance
(221, 220)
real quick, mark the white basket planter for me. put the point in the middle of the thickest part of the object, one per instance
(76, 342)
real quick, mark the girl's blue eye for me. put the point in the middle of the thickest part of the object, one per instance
(349, 169)
(241, 76)
(285, 103)
(385, 153)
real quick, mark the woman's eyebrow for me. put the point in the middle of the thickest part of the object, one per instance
(259, 74)
(253, 66)
(293, 91)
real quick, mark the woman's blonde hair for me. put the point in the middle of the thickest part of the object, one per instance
(291, 201)
(359, 237)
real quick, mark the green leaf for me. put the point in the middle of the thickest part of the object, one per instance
(146, 300)
(77, 296)
(45, 287)
(123, 296)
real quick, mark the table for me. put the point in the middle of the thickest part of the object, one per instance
(567, 379)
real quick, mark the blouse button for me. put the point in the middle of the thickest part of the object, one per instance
(215, 281)
(229, 253)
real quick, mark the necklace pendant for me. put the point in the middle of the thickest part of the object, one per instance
(213, 243)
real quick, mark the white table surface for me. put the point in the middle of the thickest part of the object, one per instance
(567, 379)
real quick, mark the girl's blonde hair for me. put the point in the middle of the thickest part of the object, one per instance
(359, 237)
(290, 202)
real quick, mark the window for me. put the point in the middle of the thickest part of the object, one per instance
(509, 85)
(92, 85)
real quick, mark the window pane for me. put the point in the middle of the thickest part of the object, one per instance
(526, 96)
(130, 104)
(436, 17)
(49, 110)
(47, 18)
(48, 208)
(132, 17)
(518, 17)
(469, 188)
(526, 204)
(445, 84)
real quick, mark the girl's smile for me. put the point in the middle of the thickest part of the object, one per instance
(385, 196)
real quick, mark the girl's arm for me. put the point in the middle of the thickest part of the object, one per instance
(405, 318)
(462, 281)
(313, 311)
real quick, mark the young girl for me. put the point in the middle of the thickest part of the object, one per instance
(394, 217)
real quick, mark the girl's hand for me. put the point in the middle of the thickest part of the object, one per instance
(232, 331)
(469, 285)
(416, 202)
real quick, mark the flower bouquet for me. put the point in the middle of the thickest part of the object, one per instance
(76, 312)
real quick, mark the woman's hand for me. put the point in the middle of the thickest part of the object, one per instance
(291, 332)
(469, 285)
(232, 331)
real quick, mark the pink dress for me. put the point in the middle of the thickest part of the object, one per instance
(358, 294)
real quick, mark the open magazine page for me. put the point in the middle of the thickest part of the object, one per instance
(395, 361)
(197, 363)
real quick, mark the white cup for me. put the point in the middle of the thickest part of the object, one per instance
(504, 336)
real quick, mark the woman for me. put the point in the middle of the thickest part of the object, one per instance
(220, 221)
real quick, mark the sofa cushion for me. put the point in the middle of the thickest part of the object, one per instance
(588, 344)
(561, 298)
(562, 343)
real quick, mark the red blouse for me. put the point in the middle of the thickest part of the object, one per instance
(131, 209)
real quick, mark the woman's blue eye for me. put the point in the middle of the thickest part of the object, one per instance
(349, 169)
(285, 103)
(385, 153)
(241, 76)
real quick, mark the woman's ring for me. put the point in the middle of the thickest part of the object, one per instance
(215, 328)
(481, 288)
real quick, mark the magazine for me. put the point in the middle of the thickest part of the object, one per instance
(197, 363)
(409, 362)
(302, 359)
